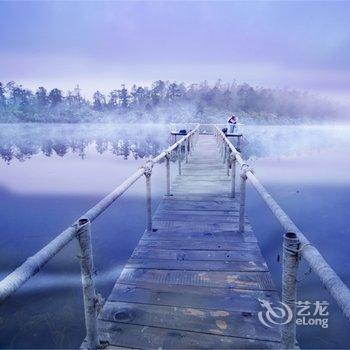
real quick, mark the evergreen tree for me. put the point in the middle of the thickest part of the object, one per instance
(55, 97)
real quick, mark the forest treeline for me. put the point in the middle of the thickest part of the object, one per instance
(164, 101)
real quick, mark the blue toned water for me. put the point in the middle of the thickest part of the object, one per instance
(50, 174)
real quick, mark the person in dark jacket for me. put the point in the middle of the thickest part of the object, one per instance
(232, 123)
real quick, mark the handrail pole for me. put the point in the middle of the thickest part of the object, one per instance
(289, 286)
(179, 157)
(239, 143)
(244, 170)
(186, 150)
(233, 175)
(225, 152)
(87, 272)
(167, 164)
(228, 162)
(148, 174)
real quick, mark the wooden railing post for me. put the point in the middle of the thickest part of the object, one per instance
(289, 286)
(228, 161)
(167, 164)
(244, 170)
(233, 174)
(179, 157)
(148, 174)
(225, 152)
(186, 150)
(190, 143)
(239, 144)
(87, 272)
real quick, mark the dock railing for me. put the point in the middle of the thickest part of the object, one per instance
(81, 229)
(295, 244)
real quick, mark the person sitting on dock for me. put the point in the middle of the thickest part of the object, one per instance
(232, 121)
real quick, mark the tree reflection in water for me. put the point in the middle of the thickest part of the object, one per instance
(22, 141)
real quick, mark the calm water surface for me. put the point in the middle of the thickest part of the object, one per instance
(51, 174)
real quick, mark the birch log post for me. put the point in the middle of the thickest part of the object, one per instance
(289, 286)
(179, 157)
(148, 174)
(87, 272)
(167, 165)
(244, 170)
(233, 175)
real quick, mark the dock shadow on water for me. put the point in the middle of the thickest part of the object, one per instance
(51, 174)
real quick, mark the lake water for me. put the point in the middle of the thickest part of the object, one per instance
(51, 174)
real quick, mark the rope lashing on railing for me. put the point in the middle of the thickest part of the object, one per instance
(147, 167)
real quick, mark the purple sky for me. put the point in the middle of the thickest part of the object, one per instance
(103, 44)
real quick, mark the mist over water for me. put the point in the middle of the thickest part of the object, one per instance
(51, 174)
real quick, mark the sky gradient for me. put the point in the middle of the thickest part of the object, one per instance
(100, 45)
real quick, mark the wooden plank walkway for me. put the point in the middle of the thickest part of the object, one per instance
(195, 281)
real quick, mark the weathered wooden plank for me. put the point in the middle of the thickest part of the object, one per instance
(202, 206)
(198, 226)
(206, 197)
(210, 219)
(222, 279)
(221, 322)
(194, 265)
(205, 235)
(196, 213)
(198, 244)
(130, 335)
(193, 296)
(210, 202)
(176, 254)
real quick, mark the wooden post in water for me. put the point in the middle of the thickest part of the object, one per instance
(87, 271)
(179, 157)
(148, 174)
(289, 286)
(244, 170)
(233, 174)
(167, 164)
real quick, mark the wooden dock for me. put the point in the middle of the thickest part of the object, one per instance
(194, 281)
